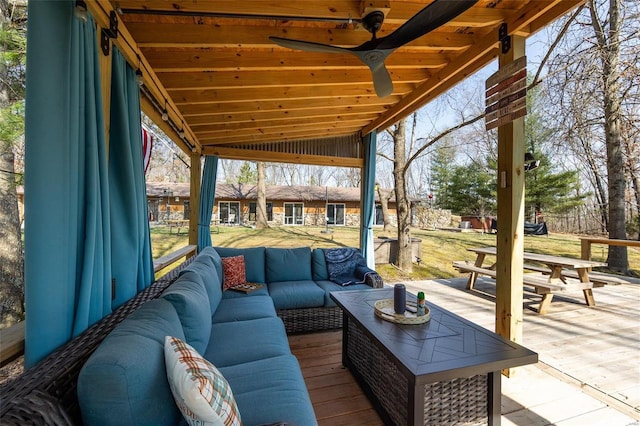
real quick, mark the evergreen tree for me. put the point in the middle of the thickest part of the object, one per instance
(248, 174)
(441, 175)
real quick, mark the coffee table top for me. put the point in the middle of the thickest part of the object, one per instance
(446, 347)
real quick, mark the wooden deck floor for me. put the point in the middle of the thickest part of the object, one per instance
(588, 374)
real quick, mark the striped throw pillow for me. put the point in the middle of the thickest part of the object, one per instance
(201, 393)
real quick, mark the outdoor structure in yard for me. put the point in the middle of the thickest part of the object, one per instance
(209, 75)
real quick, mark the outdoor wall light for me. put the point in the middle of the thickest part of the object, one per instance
(165, 114)
(139, 77)
(530, 163)
(81, 11)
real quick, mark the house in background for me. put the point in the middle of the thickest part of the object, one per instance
(235, 204)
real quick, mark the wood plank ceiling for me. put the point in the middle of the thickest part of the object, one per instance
(238, 95)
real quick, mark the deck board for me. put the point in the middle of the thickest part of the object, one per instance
(588, 371)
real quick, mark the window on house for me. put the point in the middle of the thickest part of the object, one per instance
(379, 219)
(335, 214)
(229, 212)
(252, 211)
(293, 213)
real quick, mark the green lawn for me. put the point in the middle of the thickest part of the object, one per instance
(439, 248)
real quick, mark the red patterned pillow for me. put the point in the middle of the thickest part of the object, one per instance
(234, 273)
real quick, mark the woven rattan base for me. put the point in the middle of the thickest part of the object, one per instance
(305, 320)
(461, 401)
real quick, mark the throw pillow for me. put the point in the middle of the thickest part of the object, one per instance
(201, 392)
(234, 271)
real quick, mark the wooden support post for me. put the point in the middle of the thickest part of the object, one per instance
(194, 201)
(509, 265)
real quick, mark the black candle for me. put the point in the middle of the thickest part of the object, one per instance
(399, 298)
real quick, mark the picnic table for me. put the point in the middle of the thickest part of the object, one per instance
(559, 274)
(177, 223)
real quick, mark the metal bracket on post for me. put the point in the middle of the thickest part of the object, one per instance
(108, 33)
(504, 38)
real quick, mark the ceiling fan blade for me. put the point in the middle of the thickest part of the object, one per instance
(428, 19)
(307, 46)
(382, 81)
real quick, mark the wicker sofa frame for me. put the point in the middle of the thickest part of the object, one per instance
(46, 394)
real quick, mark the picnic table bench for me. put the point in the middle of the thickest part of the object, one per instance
(561, 274)
(177, 223)
(586, 242)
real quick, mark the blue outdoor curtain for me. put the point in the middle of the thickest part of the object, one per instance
(368, 198)
(67, 240)
(131, 258)
(207, 197)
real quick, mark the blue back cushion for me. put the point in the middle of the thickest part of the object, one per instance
(208, 275)
(124, 381)
(319, 265)
(190, 300)
(253, 261)
(211, 255)
(288, 264)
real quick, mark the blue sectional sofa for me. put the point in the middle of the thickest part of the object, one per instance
(124, 380)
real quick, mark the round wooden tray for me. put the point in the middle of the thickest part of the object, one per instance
(384, 309)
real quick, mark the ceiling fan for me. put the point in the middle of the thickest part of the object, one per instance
(373, 52)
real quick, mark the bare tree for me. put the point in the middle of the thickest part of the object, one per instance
(261, 202)
(384, 197)
(12, 44)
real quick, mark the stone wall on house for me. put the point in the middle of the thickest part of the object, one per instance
(429, 218)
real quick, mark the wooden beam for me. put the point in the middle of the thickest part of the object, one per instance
(284, 78)
(357, 119)
(282, 127)
(279, 136)
(248, 117)
(280, 157)
(209, 33)
(282, 93)
(217, 59)
(194, 197)
(336, 105)
(510, 240)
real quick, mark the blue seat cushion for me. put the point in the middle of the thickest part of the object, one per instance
(288, 264)
(233, 294)
(244, 308)
(190, 300)
(244, 341)
(253, 261)
(319, 265)
(124, 380)
(296, 294)
(329, 286)
(270, 391)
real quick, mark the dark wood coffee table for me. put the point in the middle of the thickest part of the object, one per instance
(443, 372)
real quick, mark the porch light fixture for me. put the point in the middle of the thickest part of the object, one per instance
(165, 114)
(181, 131)
(81, 11)
(530, 163)
(139, 77)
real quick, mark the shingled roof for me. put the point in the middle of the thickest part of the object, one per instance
(274, 192)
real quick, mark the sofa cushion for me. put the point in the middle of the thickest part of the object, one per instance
(318, 265)
(119, 384)
(242, 309)
(234, 271)
(270, 391)
(212, 256)
(209, 278)
(296, 294)
(253, 260)
(288, 264)
(190, 300)
(201, 392)
(329, 286)
(244, 341)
